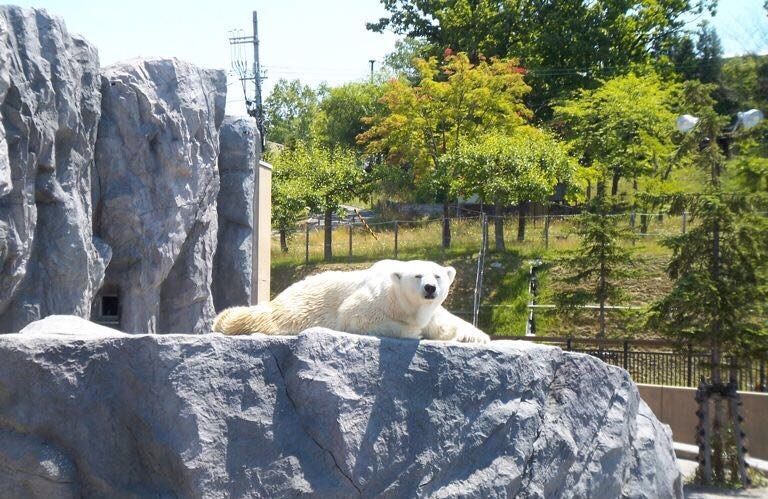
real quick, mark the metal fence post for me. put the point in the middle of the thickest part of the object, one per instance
(685, 215)
(306, 243)
(480, 269)
(689, 380)
(546, 231)
(762, 376)
(568, 345)
(626, 353)
(396, 234)
(351, 223)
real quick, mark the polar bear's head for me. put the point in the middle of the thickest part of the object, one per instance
(422, 282)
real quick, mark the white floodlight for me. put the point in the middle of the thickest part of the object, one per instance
(686, 122)
(750, 119)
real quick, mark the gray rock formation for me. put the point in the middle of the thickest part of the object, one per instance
(240, 151)
(156, 192)
(30, 467)
(49, 89)
(326, 415)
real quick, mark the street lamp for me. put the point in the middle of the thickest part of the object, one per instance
(747, 119)
(686, 122)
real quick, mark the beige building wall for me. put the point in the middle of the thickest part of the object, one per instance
(262, 234)
(676, 406)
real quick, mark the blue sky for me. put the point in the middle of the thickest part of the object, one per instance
(312, 40)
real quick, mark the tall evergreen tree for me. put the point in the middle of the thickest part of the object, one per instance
(718, 267)
(710, 55)
(601, 259)
(682, 54)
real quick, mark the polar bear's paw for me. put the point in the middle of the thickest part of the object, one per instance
(472, 336)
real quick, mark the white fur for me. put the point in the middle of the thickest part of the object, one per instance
(391, 298)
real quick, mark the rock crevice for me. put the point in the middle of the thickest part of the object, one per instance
(307, 432)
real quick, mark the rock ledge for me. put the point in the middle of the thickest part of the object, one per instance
(323, 414)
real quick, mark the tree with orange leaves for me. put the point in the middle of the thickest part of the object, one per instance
(453, 101)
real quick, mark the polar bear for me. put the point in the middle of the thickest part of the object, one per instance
(392, 298)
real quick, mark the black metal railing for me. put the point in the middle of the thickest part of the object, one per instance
(660, 362)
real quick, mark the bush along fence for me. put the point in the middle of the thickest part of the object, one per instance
(658, 362)
(355, 238)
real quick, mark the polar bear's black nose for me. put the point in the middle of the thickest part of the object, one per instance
(429, 288)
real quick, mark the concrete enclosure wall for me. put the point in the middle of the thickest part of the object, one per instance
(676, 407)
(263, 235)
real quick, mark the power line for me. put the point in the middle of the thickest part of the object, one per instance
(536, 71)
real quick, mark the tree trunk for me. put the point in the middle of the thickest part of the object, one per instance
(498, 226)
(283, 241)
(719, 434)
(446, 226)
(522, 211)
(602, 297)
(643, 223)
(615, 183)
(328, 244)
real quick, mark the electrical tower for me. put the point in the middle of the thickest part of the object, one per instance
(248, 73)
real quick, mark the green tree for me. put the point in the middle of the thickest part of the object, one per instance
(399, 62)
(452, 103)
(290, 198)
(290, 110)
(565, 45)
(718, 267)
(510, 169)
(341, 114)
(328, 179)
(682, 55)
(745, 83)
(710, 55)
(598, 263)
(622, 126)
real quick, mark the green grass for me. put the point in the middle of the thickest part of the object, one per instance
(505, 290)
(505, 307)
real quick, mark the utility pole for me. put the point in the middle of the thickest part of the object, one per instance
(372, 61)
(259, 111)
(253, 104)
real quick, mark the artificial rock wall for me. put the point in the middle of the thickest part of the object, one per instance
(109, 182)
(156, 192)
(50, 260)
(240, 153)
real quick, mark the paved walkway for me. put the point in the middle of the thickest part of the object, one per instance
(688, 468)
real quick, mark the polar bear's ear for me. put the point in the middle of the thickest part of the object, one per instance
(451, 273)
(396, 276)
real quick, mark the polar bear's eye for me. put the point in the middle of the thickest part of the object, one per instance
(437, 276)
(419, 276)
